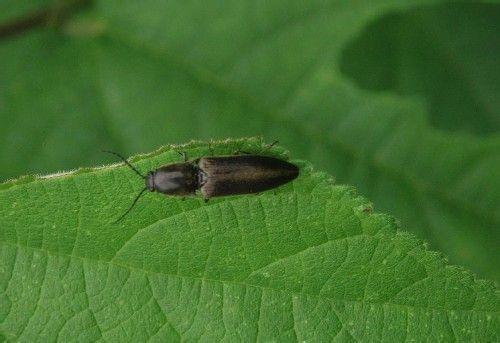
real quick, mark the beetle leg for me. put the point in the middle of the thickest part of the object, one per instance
(269, 146)
(264, 150)
(274, 143)
(210, 148)
(183, 154)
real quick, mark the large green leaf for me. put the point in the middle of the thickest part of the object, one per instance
(308, 261)
(442, 54)
(161, 72)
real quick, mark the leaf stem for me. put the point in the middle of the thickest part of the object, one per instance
(50, 16)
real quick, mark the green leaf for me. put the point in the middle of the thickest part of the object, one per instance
(308, 261)
(440, 54)
(168, 72)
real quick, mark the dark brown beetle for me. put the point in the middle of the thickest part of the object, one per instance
(216, 176)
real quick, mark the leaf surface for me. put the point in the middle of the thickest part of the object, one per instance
(164, 72)
(307, 261)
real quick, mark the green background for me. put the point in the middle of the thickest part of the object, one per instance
(398, 98)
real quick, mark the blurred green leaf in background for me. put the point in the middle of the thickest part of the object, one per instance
(398, 98)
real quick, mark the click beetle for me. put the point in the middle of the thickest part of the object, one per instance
(216, 176)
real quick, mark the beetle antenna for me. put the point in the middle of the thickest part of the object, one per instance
(133, 204)
(126, 162)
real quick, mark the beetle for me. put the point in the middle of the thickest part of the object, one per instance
(215, 176)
